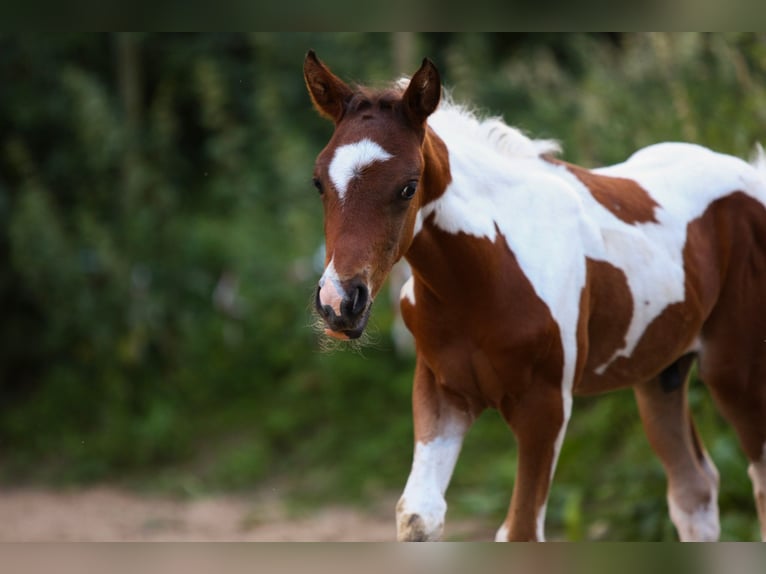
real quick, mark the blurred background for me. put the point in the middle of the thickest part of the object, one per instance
(160, 239)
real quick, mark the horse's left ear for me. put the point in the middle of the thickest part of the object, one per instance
(328, 92)
(423, 94)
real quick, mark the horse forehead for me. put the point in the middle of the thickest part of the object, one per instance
(350, 159)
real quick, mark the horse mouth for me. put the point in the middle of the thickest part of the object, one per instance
(346, 333)
(348, 319)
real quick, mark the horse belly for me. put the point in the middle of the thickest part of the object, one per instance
(670, 335)
(628, 336)
(631, 334)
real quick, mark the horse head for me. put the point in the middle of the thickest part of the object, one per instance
(369, 177)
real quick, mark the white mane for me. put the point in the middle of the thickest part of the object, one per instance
(493, 131)
(499, 136)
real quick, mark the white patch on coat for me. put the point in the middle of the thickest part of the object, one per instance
(350, 160)
(408, 290)
(331, 291)
(552, 222)
(699, 525)
(432, 467)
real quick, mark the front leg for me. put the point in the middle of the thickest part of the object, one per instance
(538, 419)
(439, 429)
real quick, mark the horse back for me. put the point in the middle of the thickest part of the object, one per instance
(699, 267)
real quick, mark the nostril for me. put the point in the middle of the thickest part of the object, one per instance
(325, 311)
(317, 301)
(360, 296)
(355, 301)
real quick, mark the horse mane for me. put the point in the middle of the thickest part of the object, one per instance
(468, 124)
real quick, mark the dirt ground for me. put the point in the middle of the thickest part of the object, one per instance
(111, 514)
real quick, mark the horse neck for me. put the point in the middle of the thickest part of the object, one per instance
(436, 170)
(440, 258)
(428, 257)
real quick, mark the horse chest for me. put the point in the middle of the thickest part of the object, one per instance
(484, 356)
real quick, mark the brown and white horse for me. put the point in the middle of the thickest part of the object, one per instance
(534, 280)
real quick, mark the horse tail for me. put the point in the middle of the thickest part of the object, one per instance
(758, 159)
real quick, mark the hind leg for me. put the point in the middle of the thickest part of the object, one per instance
(757, 473)
(692, 477)
(733, 355)
(702, 456)
(740, 394)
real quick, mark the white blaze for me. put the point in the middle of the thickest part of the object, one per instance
(350, 160)
(330, 290)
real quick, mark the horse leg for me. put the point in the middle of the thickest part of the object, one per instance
(692, 477)
(439, 430)
(538, 419)
(757, 473)
(702, 455)
(739, 391)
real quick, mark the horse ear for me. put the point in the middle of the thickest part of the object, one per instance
(423, 94)
(328, 92)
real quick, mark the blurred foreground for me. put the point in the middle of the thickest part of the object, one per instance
(107, 514)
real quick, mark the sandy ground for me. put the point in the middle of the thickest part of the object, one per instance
(111, 514)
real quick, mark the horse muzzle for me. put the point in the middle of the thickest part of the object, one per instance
(344, 307)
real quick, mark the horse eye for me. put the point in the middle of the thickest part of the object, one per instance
(318, 185)
(408, 192)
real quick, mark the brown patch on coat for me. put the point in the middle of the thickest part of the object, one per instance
(623, 197)
(606, 309)
(733, 362)
(497, 335)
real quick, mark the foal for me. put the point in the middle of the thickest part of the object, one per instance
(534, 279)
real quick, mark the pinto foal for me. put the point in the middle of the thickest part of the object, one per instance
(534, 279)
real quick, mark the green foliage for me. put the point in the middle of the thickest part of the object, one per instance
(158, 230)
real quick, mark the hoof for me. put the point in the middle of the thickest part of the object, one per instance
(417, 527)
(700, 525)
(414, 529)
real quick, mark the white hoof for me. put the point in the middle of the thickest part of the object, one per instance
(502, 534)
(424, 524)
(700, 525)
